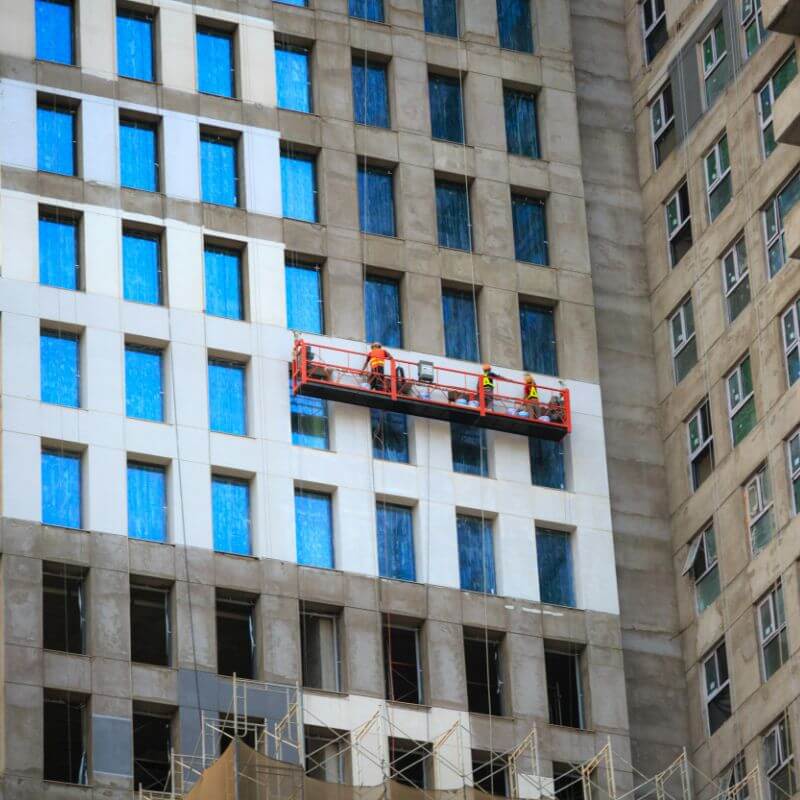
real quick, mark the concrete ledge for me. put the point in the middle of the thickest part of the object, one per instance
(782, 16)
(786, 114)
(792, 228)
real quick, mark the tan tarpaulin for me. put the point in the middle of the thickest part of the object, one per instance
(264, 778)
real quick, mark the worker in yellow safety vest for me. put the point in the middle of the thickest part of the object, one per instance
(376, 360)
(486, 382)
(530, 396)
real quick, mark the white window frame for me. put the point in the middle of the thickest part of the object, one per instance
(333, 618)
(684, 216)
(721, 686)
(742, 272)
(762, 492)
(792, 313)
(794, 472)
(733, 410)
(775, 628)
(753, 16)
(773, 208)
(715, 153)
(647, 30)
(707, 436)
(735, 774)
(769, 84)
(659, 102)
(781, 732)
(708, 71)
(680, 314)
(701, 542)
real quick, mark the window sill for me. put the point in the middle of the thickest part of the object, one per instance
(145, 81)
(50, 782)
(326, 692)
(62, 175)
(221, 205)
(485, 715)
(221, 96)
(59, 64)
(65, 653)
(409, 705)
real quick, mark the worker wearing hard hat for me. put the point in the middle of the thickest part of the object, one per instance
(486, 383)
(376, 361)
(530, 396)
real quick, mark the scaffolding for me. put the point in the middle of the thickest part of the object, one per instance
(242, 759)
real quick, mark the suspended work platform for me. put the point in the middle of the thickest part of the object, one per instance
(423, 389)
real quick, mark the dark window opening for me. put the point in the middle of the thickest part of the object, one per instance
(489, 773)
(564, 693)
(326, 754)
(567, 782)
(236, 641)
(152, 742)
(410, 763)
(484, 685)
(150, 625)
(249, 729)
(65, 757)
(402, 664)
(63, 605)
(319, 640)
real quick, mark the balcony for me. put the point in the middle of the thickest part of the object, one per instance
(425, 390)
(782, 16)
(792, 232)
(786, 114)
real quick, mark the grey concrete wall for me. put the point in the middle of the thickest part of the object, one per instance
(653, 663)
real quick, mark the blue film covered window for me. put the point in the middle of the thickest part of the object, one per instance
(441, 17)
(538, 331)
(55, 34)
(141, 267)
(135, 45)
(61, 488)
(55, 138)
(227, 397)
(447, 120)
(367, 9)
(547, 464)
(223, 270)
(219, 170)
(215, 68)
(556, 579)
(314, 528)
(395, 542)
(460, 324)
(59, 364)
(382, 315)
(147, 502)
(370, 93)
(138, 155)
(299, 186)
(389, 435)
(530, 229)
(376, 200)
(301, 3)
(452, 215)
(144, 383)
(230, 513)
(476, 554)
(309, 421)
(522, 133)
(304, 305)
(293, 76)
(58, 252)
(515, 25)
(469, 449)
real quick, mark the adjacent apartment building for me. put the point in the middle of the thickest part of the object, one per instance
(716, 102)
(595, 194)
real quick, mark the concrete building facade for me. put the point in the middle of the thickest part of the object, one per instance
(121, 645)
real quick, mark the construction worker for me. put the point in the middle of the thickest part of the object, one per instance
(530, 396)
(486, 381)
(376, 360)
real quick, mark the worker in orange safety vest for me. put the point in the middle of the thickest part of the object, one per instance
(376, 361)
(530, 396)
